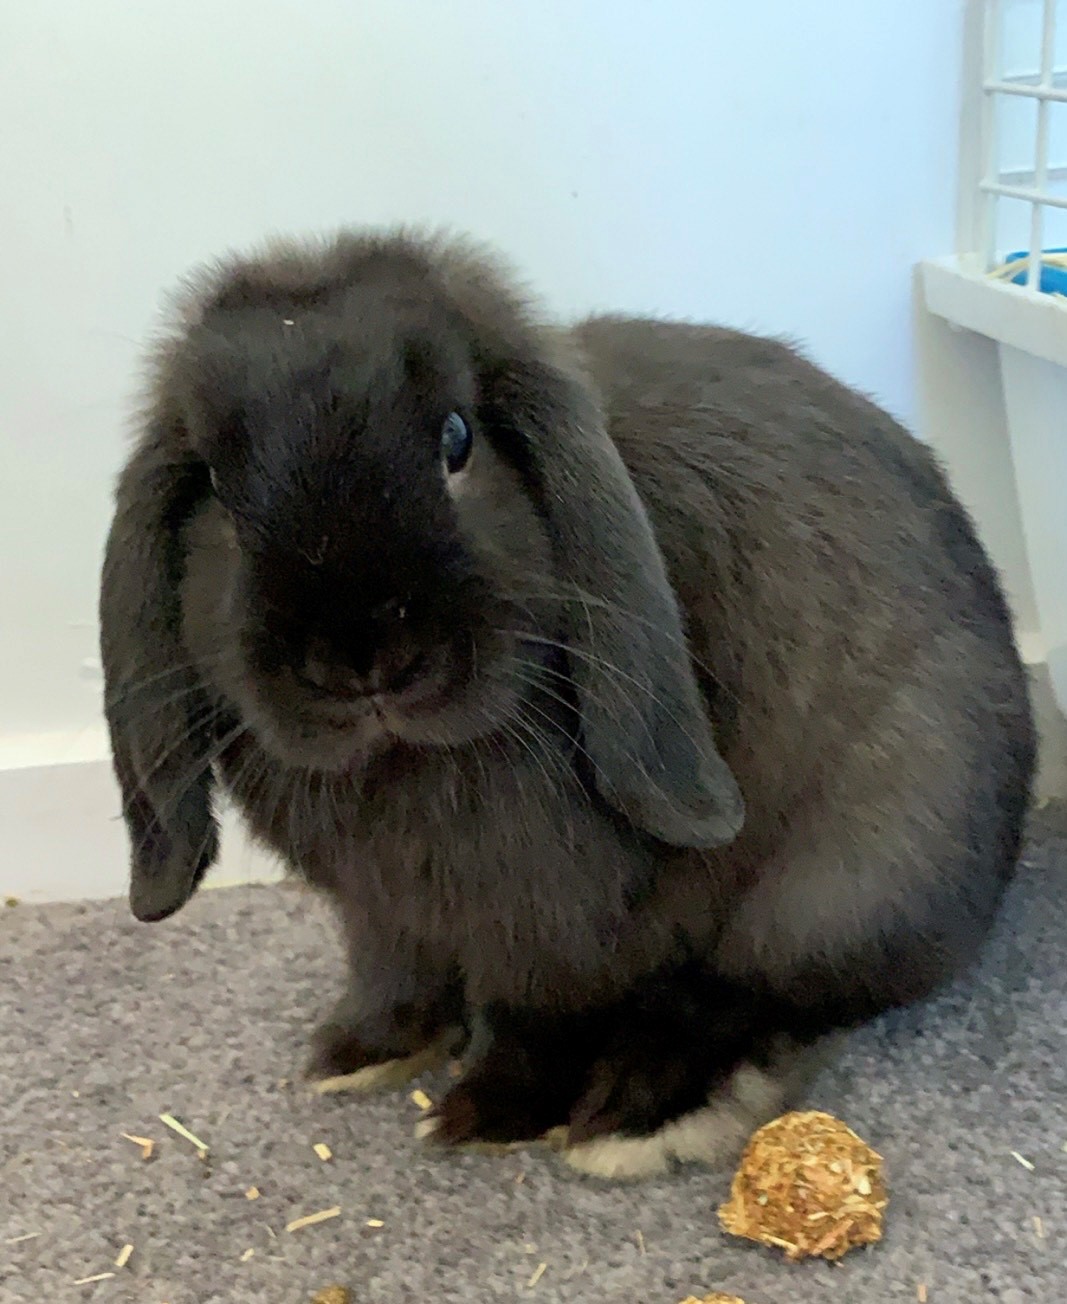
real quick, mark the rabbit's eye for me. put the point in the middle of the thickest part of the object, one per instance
(456, 440)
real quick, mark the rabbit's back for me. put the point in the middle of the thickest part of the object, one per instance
(856, 649)
(790, 509)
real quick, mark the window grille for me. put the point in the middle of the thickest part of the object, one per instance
(1019, 226)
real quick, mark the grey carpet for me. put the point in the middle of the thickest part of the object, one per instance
(104, 1024)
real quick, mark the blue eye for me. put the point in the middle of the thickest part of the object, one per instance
(456, 440)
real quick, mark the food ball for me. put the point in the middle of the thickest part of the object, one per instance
(717, 1298)
(808, 1185)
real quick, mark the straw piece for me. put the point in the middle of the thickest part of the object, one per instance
(168, 1120)
(310, 1219)
(145, 1142)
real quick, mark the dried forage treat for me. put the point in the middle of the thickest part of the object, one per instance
(717, 1298)
(808, 1185)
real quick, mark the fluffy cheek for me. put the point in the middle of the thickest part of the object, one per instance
(217, 638)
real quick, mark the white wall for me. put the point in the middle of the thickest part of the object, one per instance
(775, 165)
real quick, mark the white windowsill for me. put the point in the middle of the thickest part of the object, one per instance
(964, 295)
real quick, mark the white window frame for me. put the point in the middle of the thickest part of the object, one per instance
(985, 181)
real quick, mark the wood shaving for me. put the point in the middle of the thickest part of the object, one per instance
(421, 1099)
(247, 1255)
(26, 1236)
(100, 1276)
(252, 1193)
(170, 1121)
(124, 1256)
(639, 1238)
(808, 1185)
(375, 1222)
(323, 1151)
(920, 1292)
(1021, 1159)
(310, 1219)
(333, 1295)
(538, 1273)
(145, 1142)
(1039, 1228)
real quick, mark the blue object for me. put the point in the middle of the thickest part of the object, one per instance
(1052, 280)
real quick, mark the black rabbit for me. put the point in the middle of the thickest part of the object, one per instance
(641, 695)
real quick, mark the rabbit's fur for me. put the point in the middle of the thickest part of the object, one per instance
(679, 729)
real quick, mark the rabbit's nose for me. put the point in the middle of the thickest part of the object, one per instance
(392, 668)
(397, 667)
(327, 676)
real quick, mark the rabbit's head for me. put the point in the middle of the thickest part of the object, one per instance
(375, 506)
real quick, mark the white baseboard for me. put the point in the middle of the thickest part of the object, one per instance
(1051, 782)
(65, 841)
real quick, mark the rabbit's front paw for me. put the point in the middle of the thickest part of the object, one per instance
(487, 1110)
(522, 1087)
(354, 1053)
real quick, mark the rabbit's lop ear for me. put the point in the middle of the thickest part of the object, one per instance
(645, 730)
(156, 710)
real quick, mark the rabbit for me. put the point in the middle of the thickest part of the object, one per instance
(640, 696)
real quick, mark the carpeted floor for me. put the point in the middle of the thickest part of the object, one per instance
(105, 1024)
